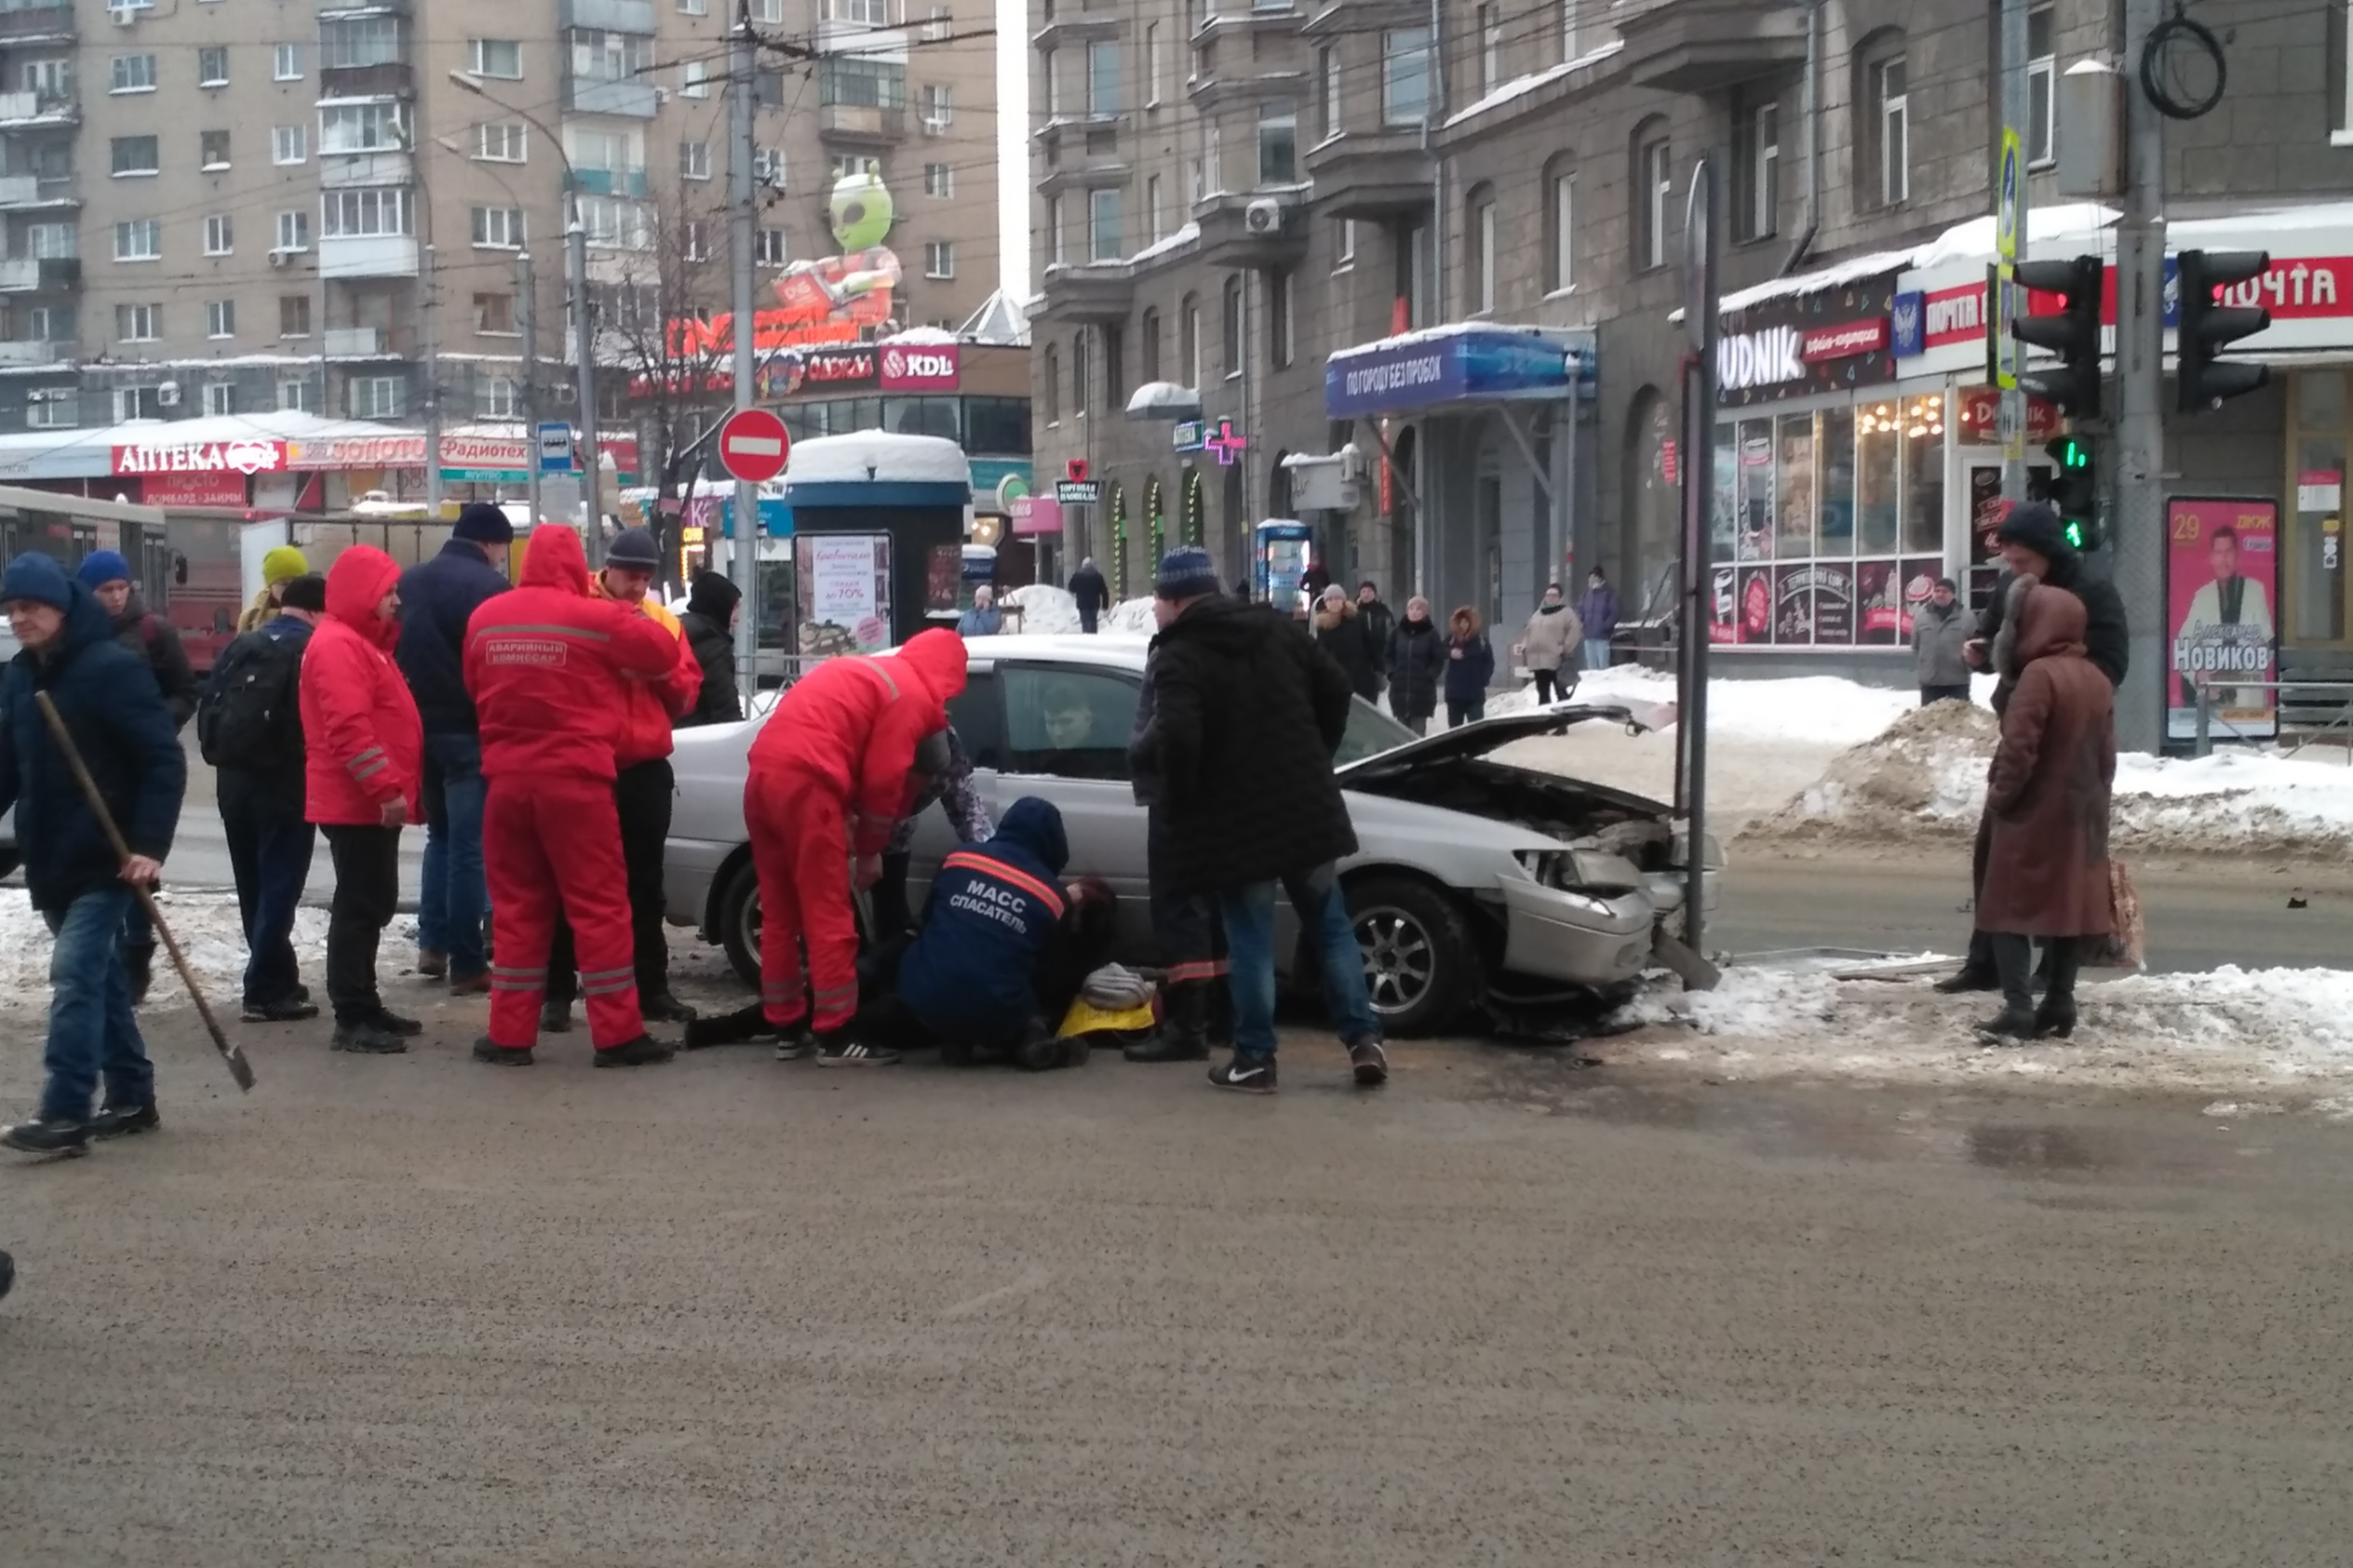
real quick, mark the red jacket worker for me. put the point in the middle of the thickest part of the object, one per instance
(546, 665)
(832, 771)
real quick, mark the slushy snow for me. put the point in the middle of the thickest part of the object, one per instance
(206, 924)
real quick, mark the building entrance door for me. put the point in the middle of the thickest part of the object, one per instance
(2318, 579)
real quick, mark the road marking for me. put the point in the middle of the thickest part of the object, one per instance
(1035, 1280)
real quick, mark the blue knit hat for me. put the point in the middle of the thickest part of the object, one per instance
(1186, 572)
(38, 578)
(103, 566)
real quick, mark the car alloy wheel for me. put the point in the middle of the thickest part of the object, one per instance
(1400, 959)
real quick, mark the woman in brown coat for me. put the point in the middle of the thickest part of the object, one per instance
(2047, 873)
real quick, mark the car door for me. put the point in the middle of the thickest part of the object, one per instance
(1060, 732)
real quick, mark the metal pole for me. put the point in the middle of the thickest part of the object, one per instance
(2138, 549)
(527, 322)
(585, 352)
(1701, 294)
(432, 388)
(2014, 112)
(745, 566)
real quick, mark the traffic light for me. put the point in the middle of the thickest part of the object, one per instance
(2074, 490)
(2203, 381)
(2072, 332)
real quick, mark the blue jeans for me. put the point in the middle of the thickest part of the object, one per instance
(270, 848)
(93, 1033)
(1598, 653)
(1248, 913)
(453, 897)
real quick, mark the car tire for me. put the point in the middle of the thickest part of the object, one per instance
(739, 923)
(1422, 965)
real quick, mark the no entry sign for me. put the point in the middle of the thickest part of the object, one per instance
(752, 445)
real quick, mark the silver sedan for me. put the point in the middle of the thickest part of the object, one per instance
(1475, 882)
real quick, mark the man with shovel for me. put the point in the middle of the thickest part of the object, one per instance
(112, 708)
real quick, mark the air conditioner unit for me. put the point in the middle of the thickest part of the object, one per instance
(167, 396)
(277, 258)
(123, 15)
(1263, 216)
(934, 127)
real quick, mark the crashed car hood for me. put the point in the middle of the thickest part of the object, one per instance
(1471, 742)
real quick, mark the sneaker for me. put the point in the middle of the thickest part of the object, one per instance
(555, 1018)
(836, 1049)
(794, 1041)
(432, 965)
(290, 1010)
(47, 1135)
(660, 1007)
(1251, 1075)
(642, 1052)
(368, 1039)
(1370, 1061)
(487, 1050)
(393, 1024)
(121, 1123)
(471, 985)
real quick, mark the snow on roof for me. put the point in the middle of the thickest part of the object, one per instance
(1446, 329)
(1000, 320)
(864, 456)
(1519, 87)
(1973, 240)
(1184, 235)
(923, 335)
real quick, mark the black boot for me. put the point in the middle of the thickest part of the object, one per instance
(642, 1052)
(1979, 971)
(555, 1018)
(490, 1052)
(2013, 959)
(660, 1007)
(47, 1135)
(1183, 1035)
(120, 1122)
(2056, 1017)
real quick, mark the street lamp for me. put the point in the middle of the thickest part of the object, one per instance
(583, 330)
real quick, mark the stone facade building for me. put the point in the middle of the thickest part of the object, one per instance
(1229, 198)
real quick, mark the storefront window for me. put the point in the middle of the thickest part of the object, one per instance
(1724, 521)
(1794, 486)
(1924, 473)
(1839, 482)
(1877, 488)
(2317, 594)
(1756, 449)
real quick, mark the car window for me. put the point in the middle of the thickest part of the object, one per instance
(1068, 722)
(1370, 732)
(974, 713)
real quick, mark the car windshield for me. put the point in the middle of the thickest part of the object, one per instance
(1370, 732)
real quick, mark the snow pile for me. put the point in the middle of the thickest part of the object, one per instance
(864, 456)
(1923, 777)
(2233, 800)
(1046, 610)
(2226, 1028)
(209, 929)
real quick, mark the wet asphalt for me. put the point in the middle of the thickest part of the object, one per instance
(1507, 1310)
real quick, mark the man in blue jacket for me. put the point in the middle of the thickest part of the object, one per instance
(115, 713)
(437, 597)
(990, 947)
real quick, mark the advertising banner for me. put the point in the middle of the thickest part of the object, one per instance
(2222, 576)
(846, 591)
(250, 456)
(920, 366)
(214, 488)
(1831, 340)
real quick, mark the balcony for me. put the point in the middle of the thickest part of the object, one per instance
(1229, 240)
(368, 343)
(341, 171)
(630, 183)
(861, 122)
(1077, 27)
(1374, 175)
(391, 78)
(26, 110)
(609, 16)
(589, 95)
(44, 23)
(1279, 17)
(347, 256)
(17, 355)
(884, 44)
(1254, 82)
(363, 7)
(1090, 292)
(1709, 46)
(47, 275)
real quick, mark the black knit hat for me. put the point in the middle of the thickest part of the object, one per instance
(2039, 528)
(307, 592)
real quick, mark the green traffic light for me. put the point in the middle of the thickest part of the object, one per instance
(2075, 533)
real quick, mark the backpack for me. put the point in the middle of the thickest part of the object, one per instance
(250, 716)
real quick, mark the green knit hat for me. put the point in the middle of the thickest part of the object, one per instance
(281, 564)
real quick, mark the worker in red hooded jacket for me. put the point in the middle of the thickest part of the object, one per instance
(832, 771)
(547, 667)
(364, 758)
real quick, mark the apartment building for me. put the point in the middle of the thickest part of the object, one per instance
(234, 206)
(1424, 279)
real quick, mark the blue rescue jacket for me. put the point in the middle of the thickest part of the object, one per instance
(995, 912)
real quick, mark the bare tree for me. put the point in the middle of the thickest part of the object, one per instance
(666, 266)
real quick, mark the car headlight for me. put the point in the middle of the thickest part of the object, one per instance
(1546, 868)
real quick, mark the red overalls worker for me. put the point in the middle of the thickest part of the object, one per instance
(546, 664)
(832, 771)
